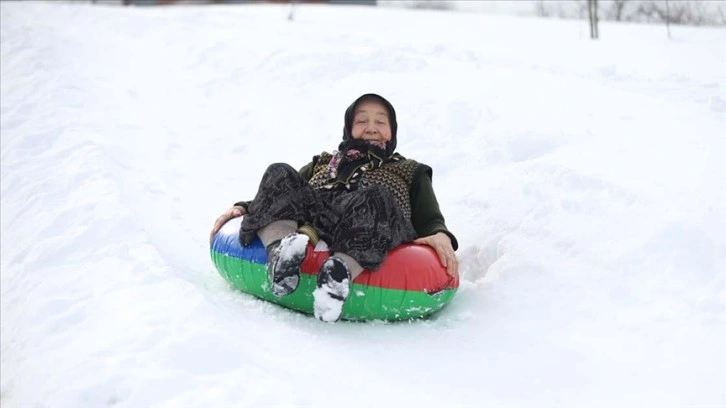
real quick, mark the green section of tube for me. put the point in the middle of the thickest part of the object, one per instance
(363, 303)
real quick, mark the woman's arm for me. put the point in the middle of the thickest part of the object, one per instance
(425, 213)
(429, 222)
(307, 170)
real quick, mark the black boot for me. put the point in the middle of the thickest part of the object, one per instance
(284, 258)
(333, 288)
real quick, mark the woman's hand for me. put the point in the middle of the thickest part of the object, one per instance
(236, 211)
(441, 243)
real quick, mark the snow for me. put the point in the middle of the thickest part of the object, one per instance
(583, 179)
(293, 245)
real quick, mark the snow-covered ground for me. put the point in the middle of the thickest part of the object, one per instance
(585, 181)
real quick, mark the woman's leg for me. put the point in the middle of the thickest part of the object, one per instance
(363, 226)
(283, 200)
(283, 195)
(366, 224)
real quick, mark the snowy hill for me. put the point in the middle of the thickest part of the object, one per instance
(584, 180)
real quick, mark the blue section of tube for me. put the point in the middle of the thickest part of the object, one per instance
(226, 241)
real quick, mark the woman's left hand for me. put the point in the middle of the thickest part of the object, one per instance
(441, 243)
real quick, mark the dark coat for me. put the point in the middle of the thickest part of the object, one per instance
(426, 216)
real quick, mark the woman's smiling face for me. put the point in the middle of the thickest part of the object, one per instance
(371, 122)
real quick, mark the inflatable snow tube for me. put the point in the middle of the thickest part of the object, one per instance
(410, 284)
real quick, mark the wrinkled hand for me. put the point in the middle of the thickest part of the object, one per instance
(441, 243)
(233, 212)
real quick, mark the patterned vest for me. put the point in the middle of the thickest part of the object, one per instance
(396, 176)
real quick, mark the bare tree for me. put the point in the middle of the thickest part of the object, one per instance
(616, 11)
(540, 9)
(291, 13)
(677, 12)
(668, 20)
(699, 14)
(592, 14)
(669, 12)
(582, 9)
(432, 5)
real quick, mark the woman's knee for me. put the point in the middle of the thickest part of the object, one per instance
(281, 173)
(280, 168)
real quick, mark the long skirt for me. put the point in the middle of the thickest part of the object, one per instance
(365, 223)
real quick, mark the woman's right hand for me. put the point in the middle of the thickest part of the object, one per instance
(236, 211)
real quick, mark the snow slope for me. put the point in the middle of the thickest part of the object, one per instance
(584, 180)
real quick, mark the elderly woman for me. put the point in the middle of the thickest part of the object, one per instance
(363, 200)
